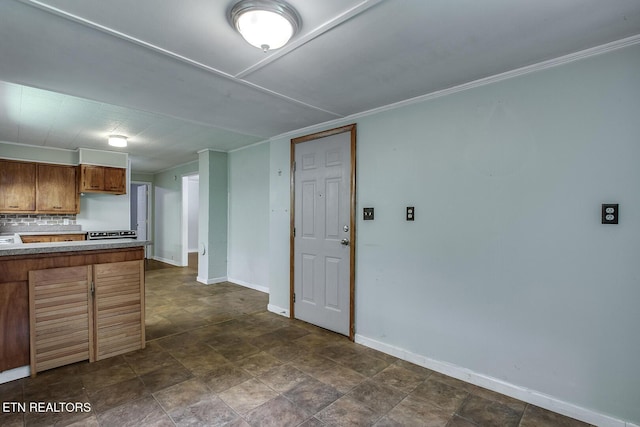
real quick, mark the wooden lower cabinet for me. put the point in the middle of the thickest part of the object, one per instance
(68, 237)
(35, 239)
(85, 313)
(119, 308)
(14, 324)
(15, 338)
(39, 238)
(61, 317)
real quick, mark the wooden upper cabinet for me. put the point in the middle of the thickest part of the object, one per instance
(103, 179)
(115, 180)
(17, 186)
(91, 178)
(28, 187)
(57, 189)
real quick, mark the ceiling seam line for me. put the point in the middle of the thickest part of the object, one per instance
(174, 117)
(171, 54)
(313, 34)
(166, 115)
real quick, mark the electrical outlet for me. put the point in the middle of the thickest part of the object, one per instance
(610, 213)
(367, 214)
(411, 213)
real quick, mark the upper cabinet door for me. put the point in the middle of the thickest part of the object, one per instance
(91, 178)
(17, 186)
(57, 189)
(115, 180)
(103, 179)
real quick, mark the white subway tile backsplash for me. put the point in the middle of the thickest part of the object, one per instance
(12, 220)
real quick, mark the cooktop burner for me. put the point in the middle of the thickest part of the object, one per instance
(115, 234)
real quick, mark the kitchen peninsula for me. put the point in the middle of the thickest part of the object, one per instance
(63, 302)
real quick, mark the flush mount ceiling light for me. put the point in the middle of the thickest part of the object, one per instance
(265, 24)
(117, 140)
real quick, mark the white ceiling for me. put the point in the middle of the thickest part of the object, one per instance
(176, 78)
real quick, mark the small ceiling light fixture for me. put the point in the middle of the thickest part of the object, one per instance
(265, 24)
(117, 140)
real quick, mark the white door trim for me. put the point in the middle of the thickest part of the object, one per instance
(184, 221)
(149, 189)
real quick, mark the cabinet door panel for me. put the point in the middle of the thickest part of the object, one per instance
(57, 189)
(17, 186)
(35, 239)
(67, 237)
(60, 317)
(119, 307)
(115, 180)
(91, 178)
(14, 331)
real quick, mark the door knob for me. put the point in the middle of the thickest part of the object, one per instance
(344, 242)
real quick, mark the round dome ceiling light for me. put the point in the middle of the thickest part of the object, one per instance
(265, 24)
(117, 140)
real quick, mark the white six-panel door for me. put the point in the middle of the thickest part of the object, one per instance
(322, 223)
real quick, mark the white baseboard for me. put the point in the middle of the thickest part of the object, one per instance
(278, 310)
(211, 281)
(15, 374)
(521, 393)
(168, 261)
(260, 288)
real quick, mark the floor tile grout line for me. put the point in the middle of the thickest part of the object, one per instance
(247, 325)
(456, 413)
(526, 406)
(163, 409)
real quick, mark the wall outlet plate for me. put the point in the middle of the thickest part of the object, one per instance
(610, 213)
(411, 213)
(367, 214)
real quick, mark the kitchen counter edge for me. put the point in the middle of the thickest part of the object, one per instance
(80, 245)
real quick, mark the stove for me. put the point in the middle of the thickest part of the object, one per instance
(115, 234)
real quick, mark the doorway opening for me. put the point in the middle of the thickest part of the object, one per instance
(190, 207)
(140, 209)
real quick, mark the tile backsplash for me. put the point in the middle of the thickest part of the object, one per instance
(35, 220)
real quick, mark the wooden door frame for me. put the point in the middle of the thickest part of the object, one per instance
(352, 220)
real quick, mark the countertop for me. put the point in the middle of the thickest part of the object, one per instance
(80, 245)
(44, 233)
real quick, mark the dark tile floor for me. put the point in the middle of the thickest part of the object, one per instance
(216, 357)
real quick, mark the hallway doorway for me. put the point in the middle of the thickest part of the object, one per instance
(140, 208)
(190, 207)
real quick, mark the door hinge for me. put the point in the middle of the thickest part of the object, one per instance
(294, 166)
(294, 297)
(294, 232)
